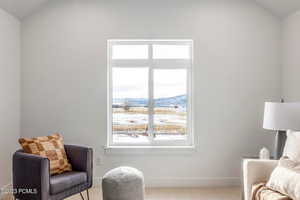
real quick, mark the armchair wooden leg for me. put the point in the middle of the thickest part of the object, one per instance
(81, 196)
(88, 195)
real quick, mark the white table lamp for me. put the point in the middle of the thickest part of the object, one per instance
(281, 117)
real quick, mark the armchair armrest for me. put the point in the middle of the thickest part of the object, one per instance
(81, 159)
(31, 176)
(255, 171)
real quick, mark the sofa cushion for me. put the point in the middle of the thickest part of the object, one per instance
(65, 181)
(286, 178)
(291, 148)
(51, 147)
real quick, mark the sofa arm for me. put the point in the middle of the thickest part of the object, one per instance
(31, 176)
(255, 171)
(81, 159)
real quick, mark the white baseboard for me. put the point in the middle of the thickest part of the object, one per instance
(185, 182)
(193, 182)
(97, 181)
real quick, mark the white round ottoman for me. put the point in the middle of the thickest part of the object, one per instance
(123, 183)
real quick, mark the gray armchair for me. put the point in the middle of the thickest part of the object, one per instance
(32, 180)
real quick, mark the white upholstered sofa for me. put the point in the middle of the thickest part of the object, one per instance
(256, 171)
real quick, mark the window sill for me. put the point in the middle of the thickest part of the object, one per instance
(150, 149)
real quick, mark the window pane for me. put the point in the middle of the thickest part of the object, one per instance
(170, 103)
(171, 51)
(129, 51)
(130, 104)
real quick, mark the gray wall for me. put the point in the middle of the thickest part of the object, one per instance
(237, 69)
(291, 58)
(9, 92)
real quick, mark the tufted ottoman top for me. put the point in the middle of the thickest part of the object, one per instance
(123, 174)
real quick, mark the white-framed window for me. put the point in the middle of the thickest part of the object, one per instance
(150, 93)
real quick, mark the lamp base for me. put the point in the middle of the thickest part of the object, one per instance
(280, 139)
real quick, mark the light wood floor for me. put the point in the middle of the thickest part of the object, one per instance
(178, 194)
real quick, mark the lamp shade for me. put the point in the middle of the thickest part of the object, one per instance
(282, 116)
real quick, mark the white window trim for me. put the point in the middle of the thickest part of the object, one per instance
(152, 64)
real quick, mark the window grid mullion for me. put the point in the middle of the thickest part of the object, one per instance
(151, 101)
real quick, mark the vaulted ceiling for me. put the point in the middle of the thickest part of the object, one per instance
(281, 8)
(22, 8)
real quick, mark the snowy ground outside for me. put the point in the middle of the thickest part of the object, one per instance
(134, 122)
